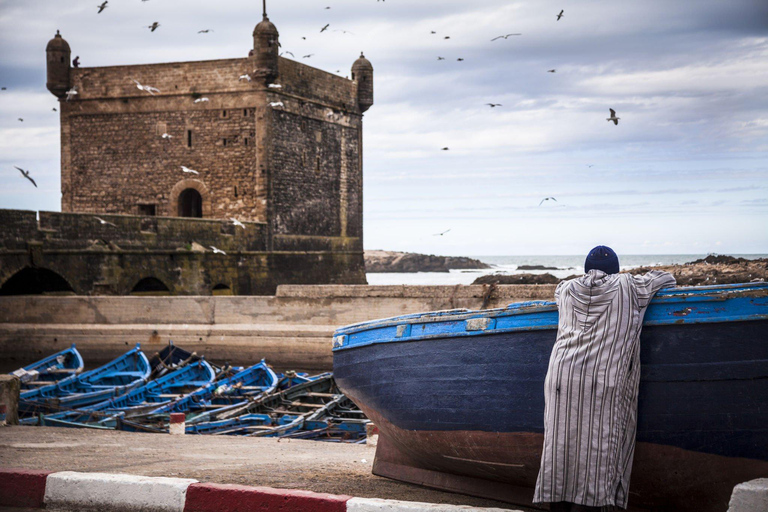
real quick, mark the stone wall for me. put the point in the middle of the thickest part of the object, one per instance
(111, 259)
(114, 158)
(292, 329)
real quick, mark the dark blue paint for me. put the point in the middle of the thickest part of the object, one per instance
(704, 381)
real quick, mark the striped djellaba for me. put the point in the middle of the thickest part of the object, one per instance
(590, 414)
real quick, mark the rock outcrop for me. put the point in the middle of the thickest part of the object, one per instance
(392, 261)
(713, 269)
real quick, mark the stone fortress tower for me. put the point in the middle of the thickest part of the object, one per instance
(276, 144)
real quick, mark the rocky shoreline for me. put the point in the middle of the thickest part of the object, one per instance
(713, 269)
(393, 261)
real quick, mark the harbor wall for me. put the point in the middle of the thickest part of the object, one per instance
(291, 329)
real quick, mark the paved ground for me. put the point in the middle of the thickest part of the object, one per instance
(289, 464)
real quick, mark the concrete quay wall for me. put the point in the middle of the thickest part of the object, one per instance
(291, 329)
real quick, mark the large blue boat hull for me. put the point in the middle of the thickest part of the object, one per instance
(465, 413)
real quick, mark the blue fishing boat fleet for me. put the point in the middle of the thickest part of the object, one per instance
(458, 396)
(137, 393)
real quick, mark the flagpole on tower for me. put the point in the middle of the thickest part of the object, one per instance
(264, 2)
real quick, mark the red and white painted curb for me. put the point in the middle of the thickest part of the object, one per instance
(69, 490)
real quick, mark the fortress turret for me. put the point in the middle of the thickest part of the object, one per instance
(266, 49)
(58, 54)
(362, 72)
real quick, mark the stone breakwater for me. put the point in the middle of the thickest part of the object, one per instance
(392, 261)
(291, 329)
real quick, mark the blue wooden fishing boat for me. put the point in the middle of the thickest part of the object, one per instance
(458, 396)
(51, 369)
(225, 393)
(114, 378)
(149, 396)
(274, 414)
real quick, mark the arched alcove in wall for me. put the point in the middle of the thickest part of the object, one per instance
(222, 289)
(150, 286)
(35, 281)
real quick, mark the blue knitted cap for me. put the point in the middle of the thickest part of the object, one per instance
(602, 258)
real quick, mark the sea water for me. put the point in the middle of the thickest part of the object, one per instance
(564, 266)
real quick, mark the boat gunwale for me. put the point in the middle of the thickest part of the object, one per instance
(664, 298)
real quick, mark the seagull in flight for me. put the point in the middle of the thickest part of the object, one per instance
(200, 100)
(276, 104)
(26, 175)
(101, 7)
(21, 120)
(237, 222)
(289, 53)
(187, 169)
(444, 149)
(441, 234)
(505, 36)
(103, 222)
(547, 199)
(447, 37)
(167, 136)
(440, 58)
(560, 15)
(325, 28)
(613, 117)
(153, 26)
(551, 71)
(54, 109)
(146, 88)
(460, 59)
(494, 105)
(217, 251)
(247, 78)
(205, 31)
(307, 56)
(71, 93)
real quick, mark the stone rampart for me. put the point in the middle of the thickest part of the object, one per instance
(132, 254)
(291, 329)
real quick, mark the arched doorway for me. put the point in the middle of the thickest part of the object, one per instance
(190, 203)
(35, 281)
(150, 286)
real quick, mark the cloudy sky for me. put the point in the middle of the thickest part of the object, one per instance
(685, 171)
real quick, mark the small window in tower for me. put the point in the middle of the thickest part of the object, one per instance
(189, 138)
(304, 159)
(235, 190)
(245, 112)
(224, 142)
(353, 75)
(303, 124)
(147, 210)
(245, 140)
(317, 164)
(223, 113)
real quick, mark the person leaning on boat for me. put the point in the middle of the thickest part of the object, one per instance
(591, 388)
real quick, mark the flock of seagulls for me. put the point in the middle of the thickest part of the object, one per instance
(72, 93)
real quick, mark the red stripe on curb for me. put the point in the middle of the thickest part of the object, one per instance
(241, 498)
(178, 417)
(22, 487)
